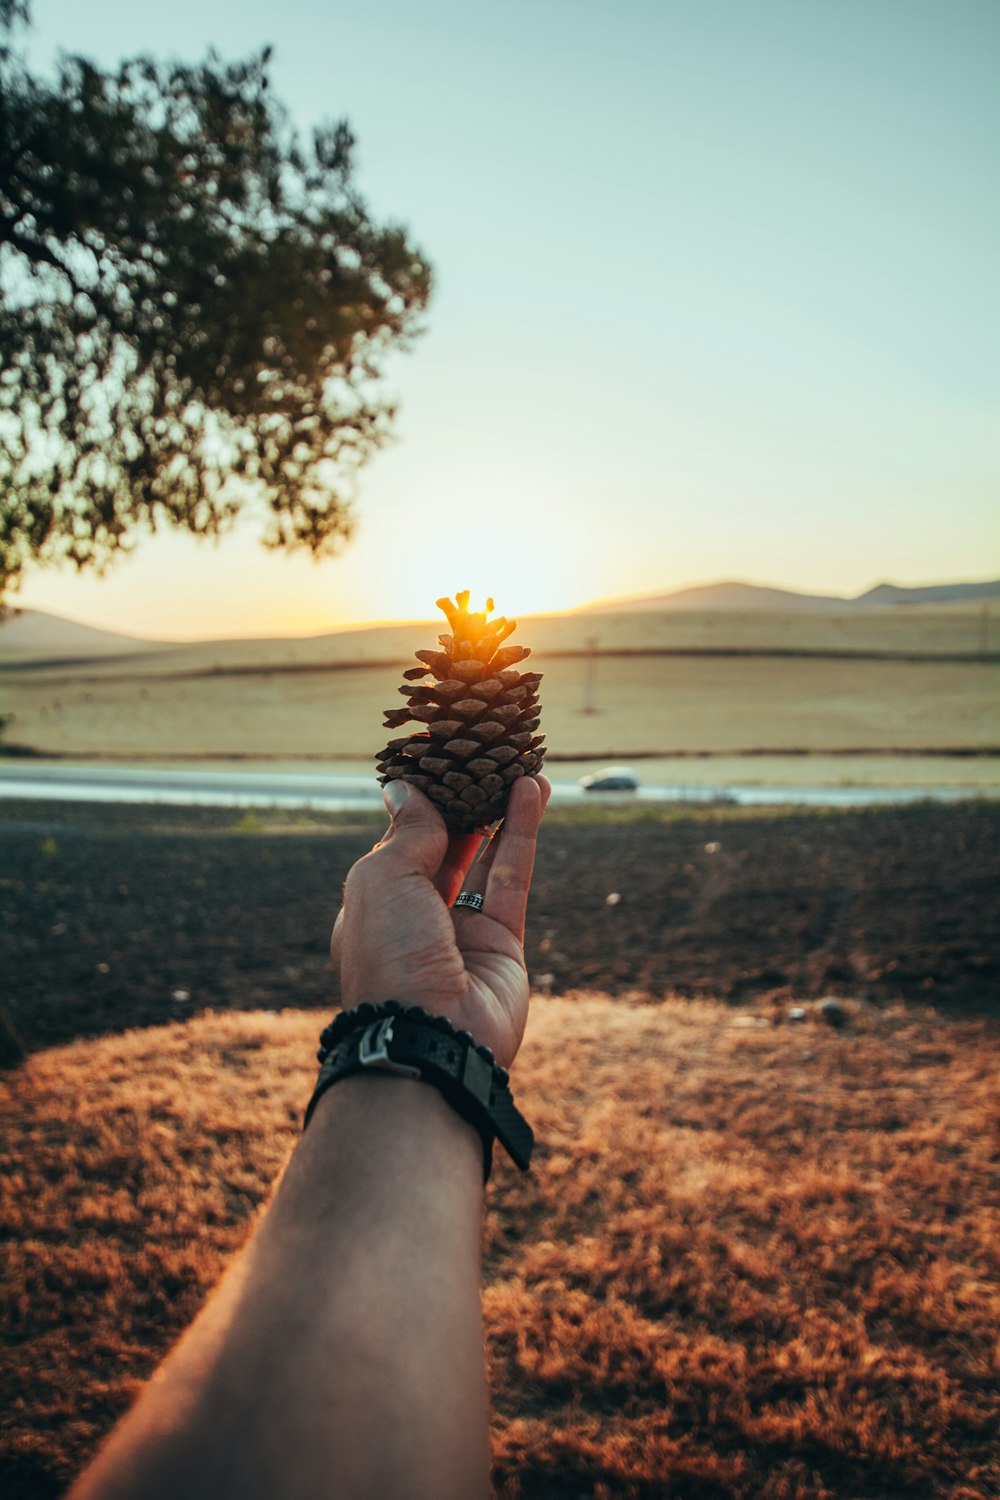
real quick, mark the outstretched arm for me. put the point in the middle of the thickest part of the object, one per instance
(342, 1355)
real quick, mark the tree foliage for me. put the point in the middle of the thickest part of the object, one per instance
(194, 310)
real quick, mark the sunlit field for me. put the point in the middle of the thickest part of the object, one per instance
(644, 704)
(751, 1260)
(240, 700)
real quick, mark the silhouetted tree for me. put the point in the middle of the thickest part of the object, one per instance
(194, 310)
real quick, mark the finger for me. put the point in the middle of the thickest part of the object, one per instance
(417, 840)
(336, 939)
(479, 874)
(508, 875)
(462, 850)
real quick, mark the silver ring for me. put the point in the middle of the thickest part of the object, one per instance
(470, 898)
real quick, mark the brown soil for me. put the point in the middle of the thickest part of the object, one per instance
(116, 917)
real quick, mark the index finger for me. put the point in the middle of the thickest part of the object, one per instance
(512, 856)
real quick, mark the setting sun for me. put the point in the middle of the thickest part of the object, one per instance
(513, 566)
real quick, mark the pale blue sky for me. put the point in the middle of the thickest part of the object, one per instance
(717, 296)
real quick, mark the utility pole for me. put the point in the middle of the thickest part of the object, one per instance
(590, 676)
(984, 630)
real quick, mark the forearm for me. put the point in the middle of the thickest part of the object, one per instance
(343, 1355)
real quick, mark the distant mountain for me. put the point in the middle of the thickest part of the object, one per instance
(939, 593)
(728, 595)
(36, 634)
(733, 595)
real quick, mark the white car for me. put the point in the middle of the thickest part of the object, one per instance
(611, 779)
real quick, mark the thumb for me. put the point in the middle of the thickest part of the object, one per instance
(417, 838)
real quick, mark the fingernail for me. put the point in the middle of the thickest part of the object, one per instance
(394, 795)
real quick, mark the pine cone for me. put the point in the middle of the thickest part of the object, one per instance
(480, 719)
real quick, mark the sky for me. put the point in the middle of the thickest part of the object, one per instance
(716, 297)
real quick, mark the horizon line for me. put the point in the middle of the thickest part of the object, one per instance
(13, 610)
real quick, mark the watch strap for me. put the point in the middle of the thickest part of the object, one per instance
(418, 1046)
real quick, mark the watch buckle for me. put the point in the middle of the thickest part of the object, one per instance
(373, 1053)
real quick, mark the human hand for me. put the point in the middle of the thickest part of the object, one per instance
(397, 936)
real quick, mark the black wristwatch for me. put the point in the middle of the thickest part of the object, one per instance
(411, 1043)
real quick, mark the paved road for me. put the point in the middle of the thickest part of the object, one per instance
(222, 788)
(339, 793)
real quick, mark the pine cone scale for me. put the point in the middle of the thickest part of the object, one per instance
(445, 729)
(463, 748)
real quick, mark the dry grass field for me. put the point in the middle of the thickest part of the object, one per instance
(751, 1260)
(646, 704)
(869, 690)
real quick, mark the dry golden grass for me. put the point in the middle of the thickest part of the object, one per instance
(646, 704)
(323, 696)
(750, 1260)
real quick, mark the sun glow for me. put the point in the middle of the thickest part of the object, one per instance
(519, 585)
(527, 569)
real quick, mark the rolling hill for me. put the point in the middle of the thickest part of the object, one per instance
(30, 634)
(940, 593)
(735, 595)
(704, 615)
